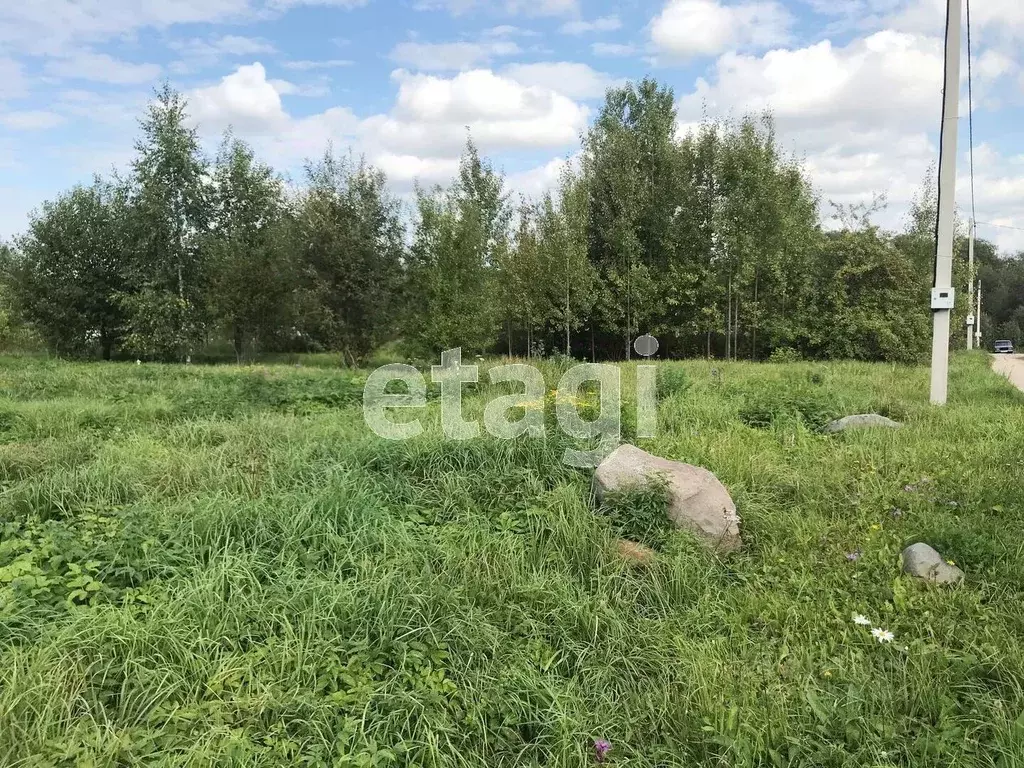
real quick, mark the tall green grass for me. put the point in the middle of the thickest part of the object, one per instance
(221, 566)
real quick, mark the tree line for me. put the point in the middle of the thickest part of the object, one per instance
(712, 241)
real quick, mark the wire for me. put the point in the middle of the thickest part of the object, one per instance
(970, 109)
(1001, 226)
(942, 133)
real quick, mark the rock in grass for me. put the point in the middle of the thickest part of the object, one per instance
(634, 553)
(860, 421)
(923, 562)
(698, 502)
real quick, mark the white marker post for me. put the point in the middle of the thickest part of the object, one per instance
(977, 326)
(970, 282)
(942, 293)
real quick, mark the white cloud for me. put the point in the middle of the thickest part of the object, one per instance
(112, 110)
(288, 4)
(577, 81)
(420, 138)
(507, 30)
(612, 49)
(601, 24)
(707, 27)
(297, 139)
(31, 120)
(244, 100)
(403, 170)
(542, 7)
(250, 104)
(12, 79)
(994, 64)
(203, 52)
(1000, 19)
(451, 56)
(101, 67)
(312, 90)
(863, 118)
(53, 26)
(432, 114)
(511, 7)
(534, 183)
(887, 76)
(198, 54)
(306, 65)
(228, 45)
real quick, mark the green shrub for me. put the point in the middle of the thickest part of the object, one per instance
(672, 381)
(639, 513)
(791, 400)
(785, 355)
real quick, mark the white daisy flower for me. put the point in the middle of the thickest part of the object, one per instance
(882, 635)
(861, 620)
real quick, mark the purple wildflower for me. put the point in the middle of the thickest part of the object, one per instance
(601, 749)
(853, 556)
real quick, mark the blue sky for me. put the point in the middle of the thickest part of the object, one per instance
(855, 85)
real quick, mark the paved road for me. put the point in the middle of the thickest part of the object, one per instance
(1012, 367)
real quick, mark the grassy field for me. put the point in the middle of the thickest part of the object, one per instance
(220, 566)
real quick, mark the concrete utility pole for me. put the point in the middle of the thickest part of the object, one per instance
(942, 293)
(970, 282)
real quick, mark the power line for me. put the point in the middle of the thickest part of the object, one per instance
(1001, 226)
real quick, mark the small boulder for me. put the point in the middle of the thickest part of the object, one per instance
(923, 562)
(698, 502)
(860, 421)
(634, 553)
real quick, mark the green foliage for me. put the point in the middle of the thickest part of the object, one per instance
(350, 238)
(640, 514)
(672, 381)
(170, 211)
(461, 234)
(870, 292)
(221, 565)
(1002, 281)
(794, 399)
(161, 325)
(70, 268)
(785, 355)
(251, 271)
(711, 241)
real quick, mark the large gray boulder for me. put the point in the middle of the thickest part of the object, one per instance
(860, 421)
(698, 502)
(923, 562)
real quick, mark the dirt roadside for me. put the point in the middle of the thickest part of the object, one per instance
(1010, 366)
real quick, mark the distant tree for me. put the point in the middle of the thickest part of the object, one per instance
(767, 231)
(1002, 282)
(460, 238)
(712, 241)
(569, 280)
(251, 272)
(12, 330)
(167, 310)
(71, 269)
(868, 291)
(349, 238)
(520, 281)
(630, 165)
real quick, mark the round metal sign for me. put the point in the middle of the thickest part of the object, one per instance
(646, 345)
